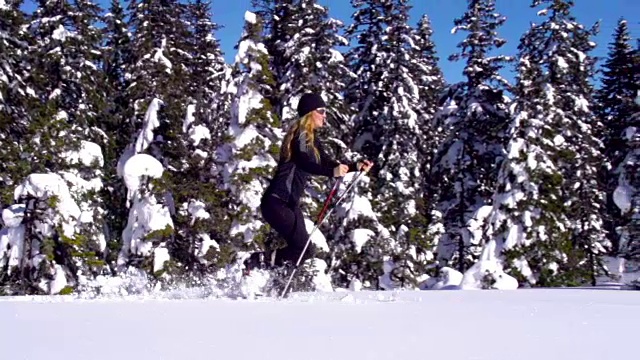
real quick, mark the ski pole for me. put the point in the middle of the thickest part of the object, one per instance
(318, 223)
(328, 201)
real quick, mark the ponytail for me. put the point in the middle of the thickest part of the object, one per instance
(303, 125)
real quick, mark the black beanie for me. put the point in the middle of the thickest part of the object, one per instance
(308, 103)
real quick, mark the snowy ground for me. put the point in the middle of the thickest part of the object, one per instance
(493, 325)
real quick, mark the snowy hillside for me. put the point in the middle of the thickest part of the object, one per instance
(493, 325)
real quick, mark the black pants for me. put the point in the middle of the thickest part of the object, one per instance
(287, 220)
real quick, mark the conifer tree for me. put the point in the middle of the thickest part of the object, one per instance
(546, 219)
(278, 30)
(430, 82)
(117, 56)
(615, 107)
(159, 98)
(627, 192)
(311, 62)
(200, 218)
(15, 98)
(209, 72)
(527, 206)
(385, 97)
(247, 159)
(62, 146)
(359, 243)
(476, 115)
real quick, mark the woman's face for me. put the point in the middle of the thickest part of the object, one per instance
(318, 117)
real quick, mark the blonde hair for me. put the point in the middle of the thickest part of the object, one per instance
(304, 124)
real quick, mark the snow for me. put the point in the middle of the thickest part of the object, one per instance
(449, 279)
(13, 215)
(160, 255)
(197, 210)
(196, 133)
(47, 186)
(558, 140)
(160, 58)
(336, 56)
(139, 166)
(360, 237)
(207, 243)
(530, 325)
(189, 118)
(622, 195)
(12, 236)
(317, 238)
(146, 214)
(59, 281)
(3, 6)
(60, 33)
(250, 17)
(630, 132)
(88, 153)
(151, 122)
(488, 266)
(624, 191)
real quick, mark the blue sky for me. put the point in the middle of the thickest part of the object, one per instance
(230, 14)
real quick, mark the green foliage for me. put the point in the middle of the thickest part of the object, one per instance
(67, 290)
(158, 236)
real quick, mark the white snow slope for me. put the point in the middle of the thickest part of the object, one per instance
(493, 325)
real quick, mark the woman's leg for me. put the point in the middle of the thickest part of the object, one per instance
(288, 222)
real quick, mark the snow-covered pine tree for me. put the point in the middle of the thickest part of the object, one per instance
(430, 82)
(202, 219)
(209, 72)
(584, 193)
(158, 94)
(615, 107)
(310, 62)
(627, 192)
(15, 96)
(546, 219)
(248, 157)
(63, 242)
(527, 210)
(277, 30)
(476, 117)
(636, 62)
(116, 51)
(359, 245)
(385, 97)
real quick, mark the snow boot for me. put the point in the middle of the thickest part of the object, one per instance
(256, 261)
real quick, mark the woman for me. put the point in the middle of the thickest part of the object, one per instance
(301, 155)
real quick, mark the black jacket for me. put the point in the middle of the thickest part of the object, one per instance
(291, 176)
